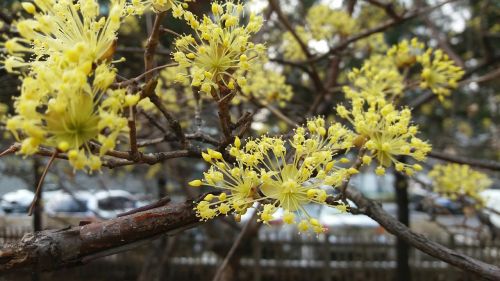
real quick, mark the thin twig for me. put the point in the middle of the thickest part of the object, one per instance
(38, 191)
(152, 44)
(485, 164)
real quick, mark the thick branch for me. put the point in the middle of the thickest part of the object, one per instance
(419, 241)
(50, 250)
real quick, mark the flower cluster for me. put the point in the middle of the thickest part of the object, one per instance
(439, 73)
(378, 78)
(219, 48)
(456, 181)
(58, 107)
(278, 175)
(405, 53)
(387, 133)
(66, 101)
(177, 6)
(322, 23)
(266, 85)
(57, 27)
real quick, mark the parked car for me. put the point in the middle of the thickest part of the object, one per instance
(16, 202)
(108, 204)
(76, 204)
(102, 204)
(492, 204)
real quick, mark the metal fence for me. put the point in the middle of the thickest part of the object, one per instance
(274, 257)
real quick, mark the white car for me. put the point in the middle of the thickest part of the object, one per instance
(102, 204)
(76, 204)
(110, 203)
(17, 201)
(492, 202)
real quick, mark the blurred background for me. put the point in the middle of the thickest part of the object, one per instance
(354, 247)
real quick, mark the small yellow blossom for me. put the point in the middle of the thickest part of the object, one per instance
(405, 53)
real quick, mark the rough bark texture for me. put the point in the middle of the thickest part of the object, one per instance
(53, 249)
(419, 241)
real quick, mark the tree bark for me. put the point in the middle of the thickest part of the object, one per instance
(54, 249)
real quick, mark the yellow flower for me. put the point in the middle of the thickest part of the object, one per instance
(325, 23)
(387, 132)
(63, 105)
(265, 85)
(405, 53)
(220, 46)
(63, 28)
(177, 6)
(262, 173)
(439, 73)
(321, 24)
(377, 78)
(455, 181)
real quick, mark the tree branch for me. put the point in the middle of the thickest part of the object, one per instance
(485, 164)
(54, 249)
(419, 241)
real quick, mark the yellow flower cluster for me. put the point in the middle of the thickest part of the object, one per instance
(219, 47)
(456, 181)
(62, 27)
(322, 23)
(405, 53)
(139, 6)
(268, 171)
(439, 73)
(388, 134)
(378, 78)
(66, 100)
(266, 85)
(58, 107)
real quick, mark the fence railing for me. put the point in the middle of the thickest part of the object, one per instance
(12, 233)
